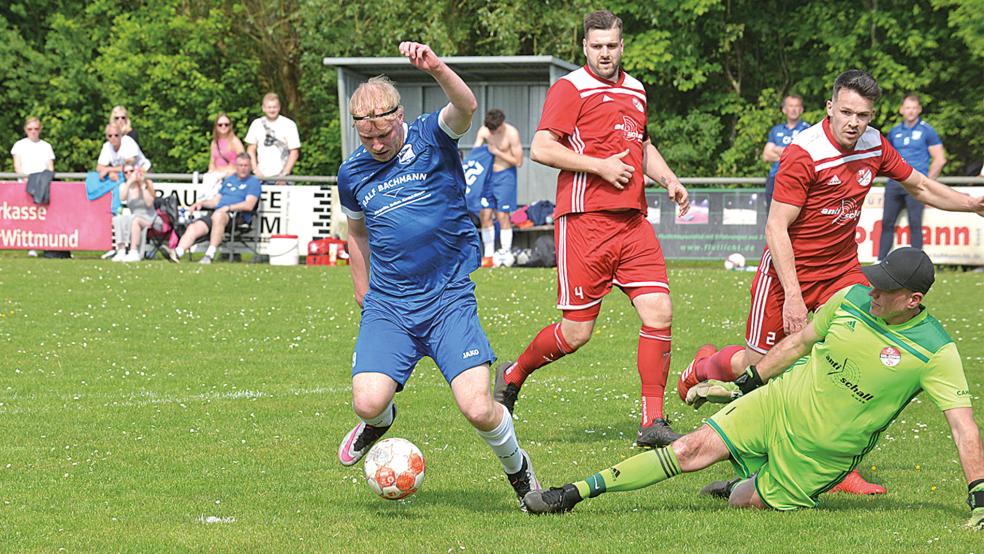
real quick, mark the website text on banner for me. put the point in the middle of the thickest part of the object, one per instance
(69, 222)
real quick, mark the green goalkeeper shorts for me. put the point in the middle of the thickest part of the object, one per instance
(763, 445)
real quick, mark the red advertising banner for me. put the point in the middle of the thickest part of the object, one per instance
(69, 222)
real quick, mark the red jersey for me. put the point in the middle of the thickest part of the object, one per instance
(598, 118)
(829, 183)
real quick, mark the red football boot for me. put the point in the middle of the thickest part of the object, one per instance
(855, 484)
(689, 376)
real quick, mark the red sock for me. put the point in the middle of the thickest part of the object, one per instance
(548, 346)
(718, 366)
(653, 362)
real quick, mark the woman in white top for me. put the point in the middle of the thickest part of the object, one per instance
(31, 154)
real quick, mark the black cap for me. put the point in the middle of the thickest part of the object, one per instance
(904, 268)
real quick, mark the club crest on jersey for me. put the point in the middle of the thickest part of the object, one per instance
(864, 177)
(406, 154)
(630, 129)
(890, 356)
(638, 105)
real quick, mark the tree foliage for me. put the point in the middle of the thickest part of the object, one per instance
(715, 69)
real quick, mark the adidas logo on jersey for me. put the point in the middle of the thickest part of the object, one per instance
(834, 181)
(606, 98)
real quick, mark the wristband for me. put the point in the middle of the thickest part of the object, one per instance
(749, 381)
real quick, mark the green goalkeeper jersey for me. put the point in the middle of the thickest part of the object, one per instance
(862, 373)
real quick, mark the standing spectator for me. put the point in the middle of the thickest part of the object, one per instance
(499, 196)
(118, 148)
(139, 196)
(31, 154)
(273, 142)
(919, 145)
(225, 147)
(121, 118)
(779, 138)
(239, 193)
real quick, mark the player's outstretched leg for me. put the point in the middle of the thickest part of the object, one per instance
(360, 439)
(855, 484)
(688, 378)
(549, 345)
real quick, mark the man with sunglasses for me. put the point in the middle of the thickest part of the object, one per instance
(116, 150)
(403, 192)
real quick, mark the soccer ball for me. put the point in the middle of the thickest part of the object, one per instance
(394, 468)
(503, 258)
(734, 262)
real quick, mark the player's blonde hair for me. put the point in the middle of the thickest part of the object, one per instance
(376, 100)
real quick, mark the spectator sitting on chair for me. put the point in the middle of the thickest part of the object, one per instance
(139, 195)
(239, 193)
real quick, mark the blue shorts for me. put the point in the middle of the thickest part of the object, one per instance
(393, 336)
(500, 191)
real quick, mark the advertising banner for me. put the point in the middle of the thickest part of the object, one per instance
(70, 221)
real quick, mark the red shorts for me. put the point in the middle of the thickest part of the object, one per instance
(764, 327)
(596, 250)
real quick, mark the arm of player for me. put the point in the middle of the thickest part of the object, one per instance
(459, 111)
(480, 136)
(781, 216)
(938, 160)
(358, 246)
(771, 153)
(936, 194)
(789, 349)
(515, 153)
(547, 150)
(656, 168)
(967, 437)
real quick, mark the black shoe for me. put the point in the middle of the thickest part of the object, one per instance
(557, 500)
(359, 440)
(720, 489)
(524, 480)
(504, 393)
(656, 435)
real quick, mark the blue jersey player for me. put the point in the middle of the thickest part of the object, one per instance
(780, 136)
(413, 249)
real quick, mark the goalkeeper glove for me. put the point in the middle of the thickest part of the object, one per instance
(749, 381)
(976, 502)
(717, 392)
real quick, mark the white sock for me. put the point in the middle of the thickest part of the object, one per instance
(384, 419)
(488, 240)
(210, 251)
(503, 441)
(179, 251)
(505, 237)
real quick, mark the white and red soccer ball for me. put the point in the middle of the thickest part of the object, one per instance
(734, 262)
(395, 468)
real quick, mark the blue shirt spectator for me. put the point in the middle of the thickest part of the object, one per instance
(779, 138)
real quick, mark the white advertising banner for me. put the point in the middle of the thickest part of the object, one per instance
(948, 237)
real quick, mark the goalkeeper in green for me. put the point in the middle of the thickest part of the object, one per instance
(865, 355)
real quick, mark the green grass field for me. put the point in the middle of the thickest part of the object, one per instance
(154, 407)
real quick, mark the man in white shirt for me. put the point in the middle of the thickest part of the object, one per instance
(272, 142)
(117, 149)
(31, 154)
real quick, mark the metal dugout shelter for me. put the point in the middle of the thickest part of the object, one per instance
(515, 84)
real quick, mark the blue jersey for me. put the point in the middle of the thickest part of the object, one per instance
(913, 143)
(781, 136)
(234, 190)
(420, 237)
